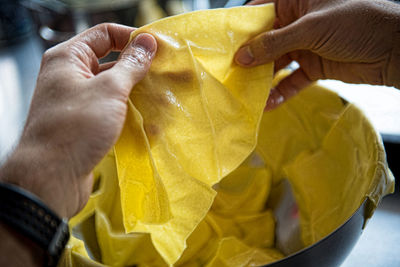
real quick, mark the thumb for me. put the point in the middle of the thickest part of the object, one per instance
(133, 63)
(273, 44)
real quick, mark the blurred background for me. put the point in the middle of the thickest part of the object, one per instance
(29, 27)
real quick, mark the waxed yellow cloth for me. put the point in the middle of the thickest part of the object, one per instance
(303, 123)
(347, 173)
(330, 179)
(233, 252)
(100, 226)
(331, 155)
(249, 230)
(192, 120)
(187, 184)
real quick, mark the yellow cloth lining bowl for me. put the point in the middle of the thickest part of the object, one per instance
(193, 120)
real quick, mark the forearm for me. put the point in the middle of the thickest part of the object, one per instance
(32, 169)
(17, 250)
(38, 170)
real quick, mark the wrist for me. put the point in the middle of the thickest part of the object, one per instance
(20, 250)
(41, 173)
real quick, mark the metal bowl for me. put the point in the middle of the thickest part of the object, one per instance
(58, 21)
(334, 248)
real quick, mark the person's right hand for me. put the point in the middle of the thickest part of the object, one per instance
(355, 41)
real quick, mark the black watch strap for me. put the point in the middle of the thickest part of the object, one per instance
(27, 214)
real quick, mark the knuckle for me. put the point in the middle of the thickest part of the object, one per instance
(263, 47)
(138, 58)
(59, 51)
(49, 54)
(112, 83)
(268, 39)
(102, 26)
(312, 18)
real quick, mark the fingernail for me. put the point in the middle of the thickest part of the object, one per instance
(146, 41)
(269, 105)
(270, 101)
(244, 56)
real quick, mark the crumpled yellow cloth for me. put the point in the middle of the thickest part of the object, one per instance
(298, 125)
(347, 173)
(191, 121)
(330, 177)
(331, 155)
(239, 228)
(232, 252)
(181, 171)
(100, 225)
(249, 231)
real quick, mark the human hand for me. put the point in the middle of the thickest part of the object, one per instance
(354, 41)
(76, 115)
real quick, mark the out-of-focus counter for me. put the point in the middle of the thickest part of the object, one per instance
(19, 67)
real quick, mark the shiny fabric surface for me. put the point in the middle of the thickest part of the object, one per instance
(189, 181)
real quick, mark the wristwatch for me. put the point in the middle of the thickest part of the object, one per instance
(28, 215)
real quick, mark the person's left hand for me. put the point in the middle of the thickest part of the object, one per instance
(76, 115)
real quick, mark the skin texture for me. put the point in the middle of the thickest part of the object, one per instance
(76, 115)
(355, 41)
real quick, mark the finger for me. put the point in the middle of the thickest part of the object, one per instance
(277, 24)
(259, 2)
(282, 62)
(84, 50)
(136, 59)
(287, 88)
(274, 100)
(106, 66)
(133, 64)
(104, 38)
(273, 44)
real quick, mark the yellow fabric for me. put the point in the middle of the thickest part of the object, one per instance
(256, 230)
(245, 191)
(192, 120)
(253, 227)
(100, 223)
(329, 181)
(239, 211)
(300, 124)
(343, 172)
(75, 255)
(232, 252)
(201, 244)
(330, 154)
(181, 171)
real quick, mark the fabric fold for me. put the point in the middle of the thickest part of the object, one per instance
(194, 118)
(187, 183)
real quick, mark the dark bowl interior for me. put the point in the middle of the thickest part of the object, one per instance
(56, 24)
(333, 249)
